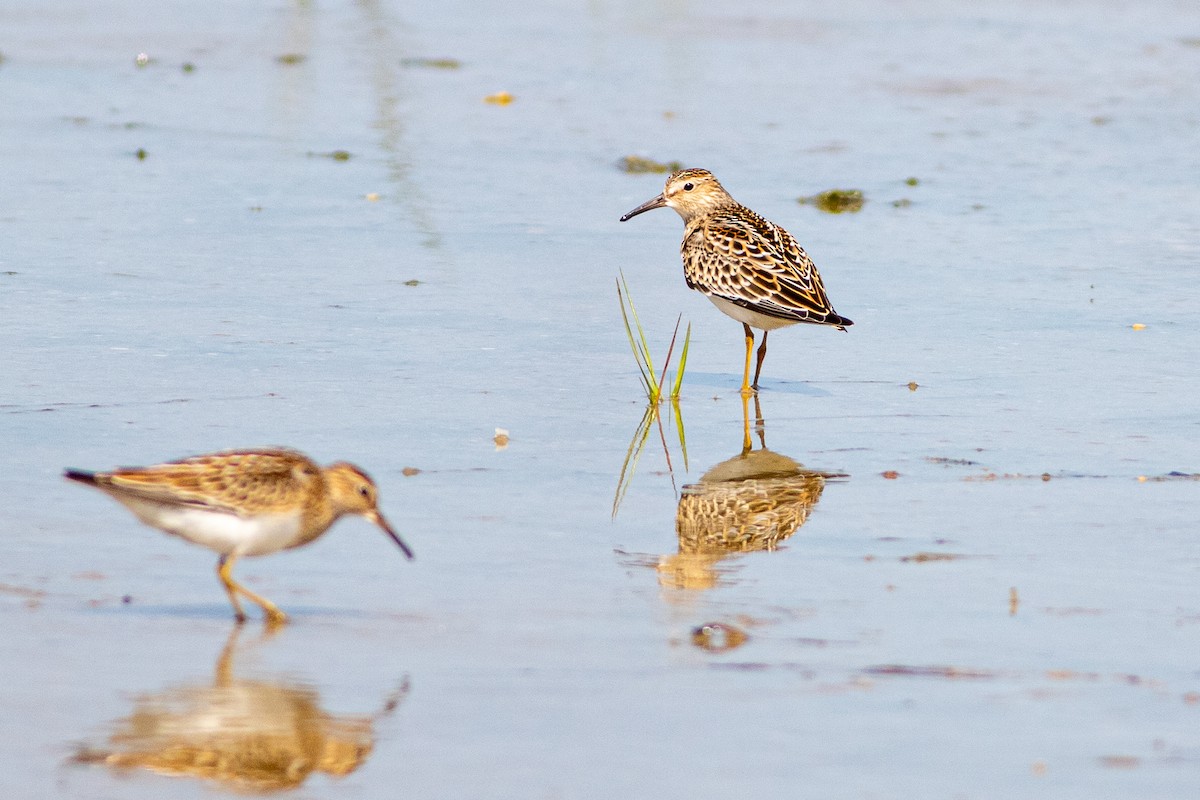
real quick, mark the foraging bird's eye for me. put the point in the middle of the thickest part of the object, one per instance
(365, 491)
(687, 187)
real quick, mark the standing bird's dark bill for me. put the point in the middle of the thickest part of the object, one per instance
(649, 205)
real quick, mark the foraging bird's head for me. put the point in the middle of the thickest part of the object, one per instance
(691, 192)
(353, 492)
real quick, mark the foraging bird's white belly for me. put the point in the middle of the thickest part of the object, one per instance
(754, 319)
(220, 531)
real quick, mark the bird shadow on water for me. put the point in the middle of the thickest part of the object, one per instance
(748, 503)
(246, 735)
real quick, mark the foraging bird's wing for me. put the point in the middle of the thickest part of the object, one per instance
(238, 482)
(747, 260)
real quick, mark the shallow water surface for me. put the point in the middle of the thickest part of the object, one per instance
(958, 561)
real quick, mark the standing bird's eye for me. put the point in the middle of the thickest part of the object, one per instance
(365, 491)
(687, 187)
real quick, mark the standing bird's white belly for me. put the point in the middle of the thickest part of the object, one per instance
(755, 319)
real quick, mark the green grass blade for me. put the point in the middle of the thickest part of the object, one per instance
(687, 340)
(637, 357)
(634, 454)
(679, 430)
(649, 362)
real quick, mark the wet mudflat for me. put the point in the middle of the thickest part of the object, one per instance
(982, 586)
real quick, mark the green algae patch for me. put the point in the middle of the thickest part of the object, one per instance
(431, 63)
(291, 59)
(636, 165)
(836, 201)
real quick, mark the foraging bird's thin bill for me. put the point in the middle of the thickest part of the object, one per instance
(649, 205)
(378, 519)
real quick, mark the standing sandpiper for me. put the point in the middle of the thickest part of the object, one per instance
(243, 503)
(749, 267)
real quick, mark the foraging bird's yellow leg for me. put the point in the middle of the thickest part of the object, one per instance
(762, 353)
(746, 390)
(746, 443)
(224, 570)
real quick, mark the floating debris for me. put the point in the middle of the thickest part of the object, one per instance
(373, 196)
(1014, 476)
(188, 66)
(141, 59)
(1170, 476)
(903, 202)
(336, 155)
(911, 181)
(499, 98)
(408, 472)
(923, 557)
(431, 63)
(291, 59)
(836, 201)
(890, 474)
(717, 637)
(412, 282)
(1138, 326)
(637, 165)
(913, 386)
(956, 462)
(501, 438)
(1014, 601)
(931, 671)
(140, 153)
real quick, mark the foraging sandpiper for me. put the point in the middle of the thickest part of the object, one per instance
(243, 503)
(749, 267)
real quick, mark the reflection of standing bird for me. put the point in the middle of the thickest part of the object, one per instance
(248, 735)
(750, 502)
(243, 503)
(749, 267)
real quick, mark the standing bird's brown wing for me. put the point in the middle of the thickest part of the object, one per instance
(754, 263)
(238, 481)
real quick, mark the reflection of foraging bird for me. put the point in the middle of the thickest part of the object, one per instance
(749, 267)
(244, 503)
(246, 735)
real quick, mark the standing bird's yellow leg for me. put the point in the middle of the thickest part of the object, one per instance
(746, 443)
(746, 390)
(225, 572)
(762, 353)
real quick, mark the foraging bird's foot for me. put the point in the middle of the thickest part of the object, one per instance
(275, 618)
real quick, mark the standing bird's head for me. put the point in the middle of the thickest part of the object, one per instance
(691, 192)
